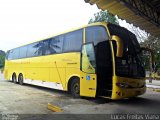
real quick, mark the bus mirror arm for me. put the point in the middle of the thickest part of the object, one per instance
(119, 43)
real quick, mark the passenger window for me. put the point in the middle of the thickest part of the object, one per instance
(23, 52)
(9, 55)
(32, 49)
(14, 54)
(42, 47)
(56, 44)
(73, 41)
(96, 34)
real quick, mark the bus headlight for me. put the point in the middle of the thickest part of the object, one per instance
(122, 85)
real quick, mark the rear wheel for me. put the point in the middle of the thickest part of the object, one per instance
(75, 88)
(20, 79)
(14, 78)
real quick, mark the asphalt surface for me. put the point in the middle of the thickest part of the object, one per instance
(31, 102)
(155, 84)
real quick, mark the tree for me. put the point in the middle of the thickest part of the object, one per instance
(140, 34)
(104, 16)
(144, 38)
(2, 60)
(152, 43)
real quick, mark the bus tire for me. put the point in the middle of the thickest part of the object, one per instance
(20, 79)
(75, 88)
(14, 78)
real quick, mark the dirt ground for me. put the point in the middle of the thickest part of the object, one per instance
(28, 99)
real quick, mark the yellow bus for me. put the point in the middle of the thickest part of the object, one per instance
(99, 59)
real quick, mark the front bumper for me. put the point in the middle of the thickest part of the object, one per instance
(120, 93)
(136, 87)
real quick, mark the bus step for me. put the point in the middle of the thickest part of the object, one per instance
(107, 92)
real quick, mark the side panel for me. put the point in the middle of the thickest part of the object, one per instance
(42, 68)
(37, 68)
(72, 61)
(57, 69)
(88, 85)
(44, 84)
(45, 70)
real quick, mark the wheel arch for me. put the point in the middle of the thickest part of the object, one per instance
(70, 81)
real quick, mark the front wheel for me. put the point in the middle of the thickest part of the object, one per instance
(75, 88)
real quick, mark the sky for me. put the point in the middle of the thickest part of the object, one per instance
(25, 21)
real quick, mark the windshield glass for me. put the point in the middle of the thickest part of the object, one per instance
(129, 65)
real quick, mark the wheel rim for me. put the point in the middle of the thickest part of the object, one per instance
(21, 79)
(14, 78)
(76, 88)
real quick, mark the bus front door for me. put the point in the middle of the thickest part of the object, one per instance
(88, 79)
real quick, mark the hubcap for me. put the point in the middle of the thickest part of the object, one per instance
(21, 79)
(76, 88)
(14, 78)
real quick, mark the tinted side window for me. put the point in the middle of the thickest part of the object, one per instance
(56, 44)
(73, 41)
(42, 47)
(9, 56)
(32, 50)
(96, 34)
(23, 52)
(15, 53)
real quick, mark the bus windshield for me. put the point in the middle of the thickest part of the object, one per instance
(129, 65)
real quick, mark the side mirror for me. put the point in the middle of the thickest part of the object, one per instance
(119, 43)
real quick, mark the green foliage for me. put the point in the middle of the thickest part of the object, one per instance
(154, 44)
(2, 61)
(104, 16)
(158, 60)
(146, 61)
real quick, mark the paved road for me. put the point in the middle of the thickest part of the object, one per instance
(28, 99)
(154, 82)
